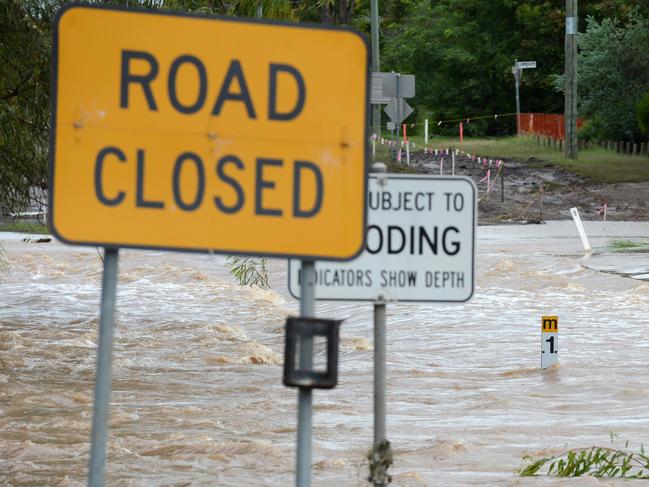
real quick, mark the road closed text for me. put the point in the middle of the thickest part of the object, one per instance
(208, 134)
(226, 170)
(138, 72)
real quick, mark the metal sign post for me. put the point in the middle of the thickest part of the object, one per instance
(305, 395)
(517, 78)
(571, 58)
(381, 455)
(517, 71)
(104, 369)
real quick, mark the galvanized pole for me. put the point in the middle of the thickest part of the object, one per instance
(517, 77)
(305, 396)
(381, 448)
(570, 109)
(376, 67)
(398, 123)
(104, 373)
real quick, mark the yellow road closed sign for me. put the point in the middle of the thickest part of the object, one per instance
(196, 133)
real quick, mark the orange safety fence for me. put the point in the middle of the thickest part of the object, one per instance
(547, 124)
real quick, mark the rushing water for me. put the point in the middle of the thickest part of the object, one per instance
(197, 394)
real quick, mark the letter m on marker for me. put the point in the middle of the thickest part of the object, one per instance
(550, 324)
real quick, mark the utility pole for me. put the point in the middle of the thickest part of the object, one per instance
(376, 67)
(570, 110)
(517, 79)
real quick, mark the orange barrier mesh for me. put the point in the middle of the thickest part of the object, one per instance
(547, 124)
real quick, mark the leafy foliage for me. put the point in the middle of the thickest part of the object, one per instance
(642, 114)
(249, 271)
(24, 99)
(462, 51)
(614, 75)
(594, 461)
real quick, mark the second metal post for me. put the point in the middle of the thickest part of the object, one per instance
(305, 396)
(379, 374)
(381, 457)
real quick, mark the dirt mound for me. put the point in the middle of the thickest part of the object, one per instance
(534, 191)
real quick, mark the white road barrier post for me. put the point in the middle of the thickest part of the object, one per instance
(426, 131)
(549, 341)
(580, 228)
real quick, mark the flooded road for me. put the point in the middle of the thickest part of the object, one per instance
(197, 394)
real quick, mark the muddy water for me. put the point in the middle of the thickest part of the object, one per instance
(198, 398)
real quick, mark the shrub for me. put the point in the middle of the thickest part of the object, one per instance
(642, 113)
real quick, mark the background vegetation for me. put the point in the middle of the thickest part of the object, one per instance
(461, 52)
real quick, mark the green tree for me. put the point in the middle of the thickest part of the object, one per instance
(24, 99)
(614, 75)
(642, 113)
(462, 51)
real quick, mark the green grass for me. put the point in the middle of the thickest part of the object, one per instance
(594, 163)
(22, 227)
(627, 245)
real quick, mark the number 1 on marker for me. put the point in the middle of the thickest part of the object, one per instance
(549, 341)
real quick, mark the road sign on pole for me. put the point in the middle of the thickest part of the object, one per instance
(162, 141)
(399, 85)
(525, 64)
(398, 110)
(420, 245)
(517, 71)
(377, 97)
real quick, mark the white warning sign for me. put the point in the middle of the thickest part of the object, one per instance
(420, 244)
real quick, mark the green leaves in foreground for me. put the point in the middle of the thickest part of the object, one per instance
(594, 461)
(249, 271)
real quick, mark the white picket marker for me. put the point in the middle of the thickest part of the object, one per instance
(549, 341)
(453, 163)
(426, 131)
(580, 228)
(441, 166)
(408, 153)
(373, 147)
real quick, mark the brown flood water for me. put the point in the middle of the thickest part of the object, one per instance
(197, 394)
